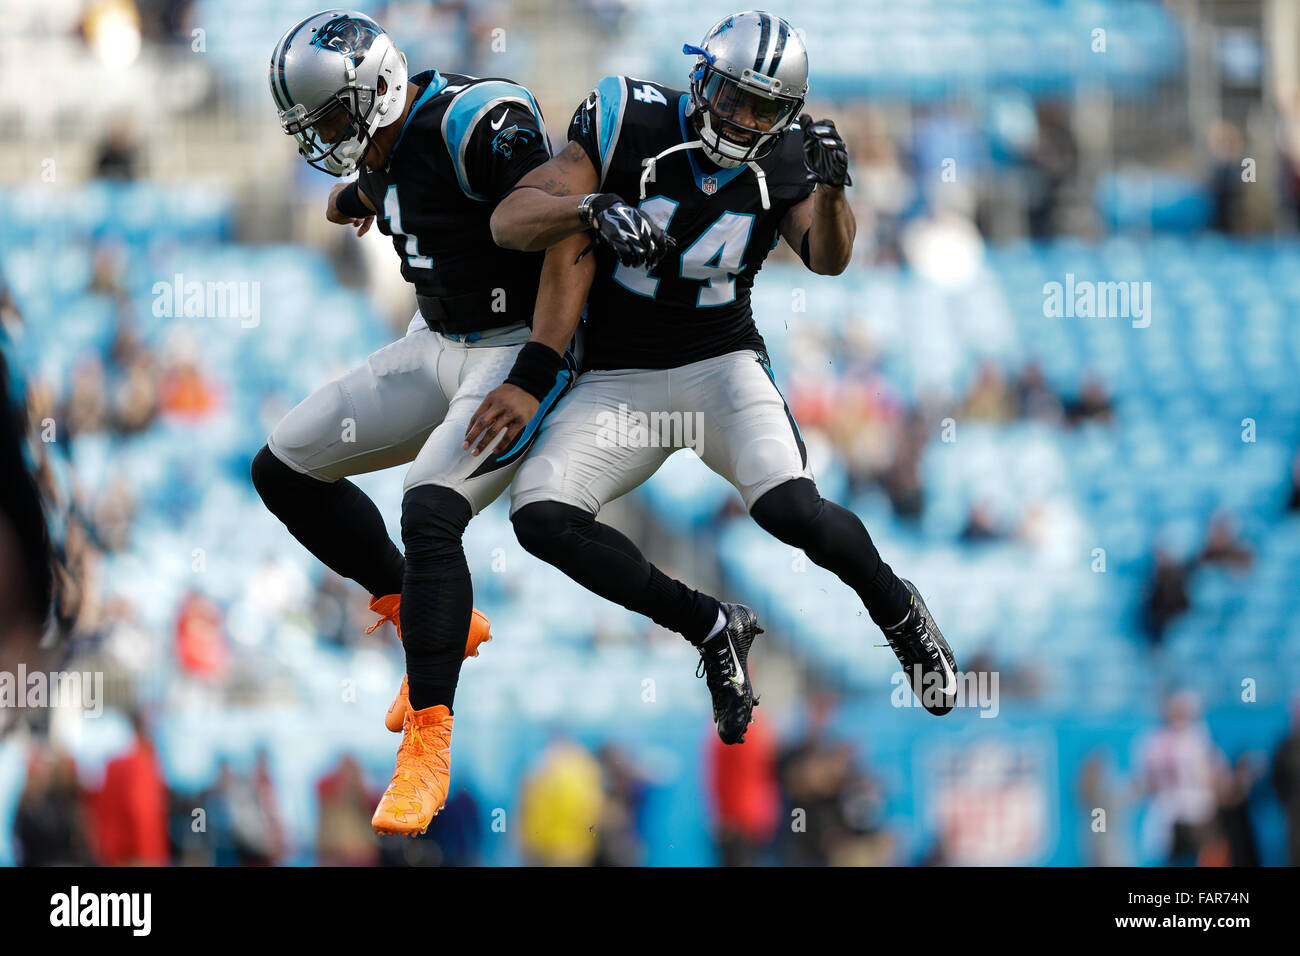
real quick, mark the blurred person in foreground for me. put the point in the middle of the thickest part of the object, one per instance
(621, 837)
(561, 803)
(343, 833)
(129, 812)
(1286, 782)
(744, 796)
(49, 826)
(26, 558)
(1179, 770)
(833, 804)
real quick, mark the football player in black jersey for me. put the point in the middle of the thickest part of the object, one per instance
(719, 175)
(434, 153)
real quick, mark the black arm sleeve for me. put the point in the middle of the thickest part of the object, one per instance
(350, 204)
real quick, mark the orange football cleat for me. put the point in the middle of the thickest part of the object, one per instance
(422, 777)
(389, 607)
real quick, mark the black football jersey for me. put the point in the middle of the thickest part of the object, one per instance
(464, 144)
(695, 303)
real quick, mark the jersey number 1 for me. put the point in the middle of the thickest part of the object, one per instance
(393, 213)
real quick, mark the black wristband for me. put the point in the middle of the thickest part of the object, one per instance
(536, 369)
(349, 202)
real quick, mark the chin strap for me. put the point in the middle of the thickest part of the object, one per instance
(649, 165)
(762, 183)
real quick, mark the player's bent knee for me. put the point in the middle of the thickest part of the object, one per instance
(434, 518)
(275, 481)
(789, 511)
(543, 527)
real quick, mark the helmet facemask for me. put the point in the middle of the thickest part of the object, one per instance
(335, 136)
(740, 120)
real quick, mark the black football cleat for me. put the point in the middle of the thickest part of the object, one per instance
(927, 660)
(723, 665)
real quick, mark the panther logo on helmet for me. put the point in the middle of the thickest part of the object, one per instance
(348, 36)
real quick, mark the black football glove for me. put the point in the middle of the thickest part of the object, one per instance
(635, 238)
(824, 153)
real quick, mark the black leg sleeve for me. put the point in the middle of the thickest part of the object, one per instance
(607, 563)
(836, 539)
(334, 520)
(437, 595)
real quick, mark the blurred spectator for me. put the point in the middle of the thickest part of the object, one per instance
(200, 636)
(1098, 791)
(744, 795)
(1227, 190)
(457, 832)
(990, 398)
(621, 838)
(184, 391)
(246, 824)
(1235, 823)
(1178, 770)
(902, 479)
(1093, 404)
(1036, 399)
(344, 836)
(1293, 501)
(1166, 596)
(1222, 546)
(49, 826)
(1053, 166)
(118, 156)
(87, 407)
(981, 526)
(833, 805)
(130, 809)
(560, 805)
(264, 786)
(1286, 783)
(26, 566)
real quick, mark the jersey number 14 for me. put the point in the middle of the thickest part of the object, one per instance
(713, 259)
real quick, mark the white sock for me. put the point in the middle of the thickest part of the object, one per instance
(721, 623)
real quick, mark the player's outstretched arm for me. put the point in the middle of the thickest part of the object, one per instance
(543, 208)
(557, 200)
(821, 228)
(561, 294)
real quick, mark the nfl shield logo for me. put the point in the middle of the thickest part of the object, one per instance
(709, 184)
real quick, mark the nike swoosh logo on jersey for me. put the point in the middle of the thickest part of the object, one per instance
(591, 102)
(501, 122)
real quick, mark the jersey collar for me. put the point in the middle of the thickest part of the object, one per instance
(436, 84)
(720, 177)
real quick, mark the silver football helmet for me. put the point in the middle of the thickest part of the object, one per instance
(325, 79)
(748, 85)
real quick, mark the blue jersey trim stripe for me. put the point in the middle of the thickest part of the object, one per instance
(462, 116)
(723, 176)
(609, 121)
(435, 87)
(562, 380)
